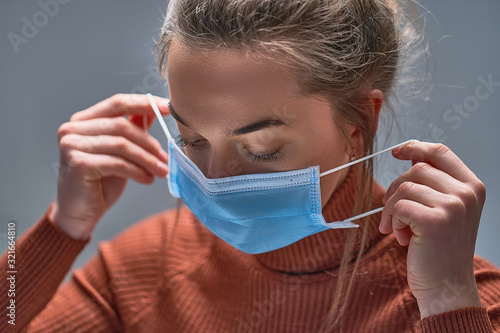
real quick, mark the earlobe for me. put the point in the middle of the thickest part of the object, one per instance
(352, 146)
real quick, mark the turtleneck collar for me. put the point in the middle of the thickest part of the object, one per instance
(324, 250)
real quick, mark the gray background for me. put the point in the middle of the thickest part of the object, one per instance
(90, 50)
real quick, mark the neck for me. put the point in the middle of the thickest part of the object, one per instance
(324, 250)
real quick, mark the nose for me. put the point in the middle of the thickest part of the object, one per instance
(222, 164)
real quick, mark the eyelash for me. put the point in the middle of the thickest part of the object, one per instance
(183, 143)
(271, 157)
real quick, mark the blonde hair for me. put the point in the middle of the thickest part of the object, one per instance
(338, 49)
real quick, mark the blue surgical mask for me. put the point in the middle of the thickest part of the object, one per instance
(255, 213)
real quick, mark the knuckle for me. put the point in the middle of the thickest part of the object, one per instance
(66, 143)
(117, 101)
(75, 159)
(106, 125)
(480, 190)
(420, 168)
(63, 130)
(456, 206)
(466, 194)
(442, 216)
(75, 116)
(406, 186)
(156, 144)
(119, 163)
(439, 149)
(120, 142)
(121, 124)
(398, 208)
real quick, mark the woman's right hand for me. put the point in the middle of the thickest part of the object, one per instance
(100, 149)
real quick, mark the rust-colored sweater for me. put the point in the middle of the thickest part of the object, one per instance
(158, 276)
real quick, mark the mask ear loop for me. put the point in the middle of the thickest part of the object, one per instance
(364, 158)
(160, 118)
(371, 212)
(167, 134)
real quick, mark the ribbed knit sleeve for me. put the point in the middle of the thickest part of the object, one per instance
(473, 319)
(43, 256)
(114, 291)
(460, 321)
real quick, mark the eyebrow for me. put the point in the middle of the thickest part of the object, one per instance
(257, 126)
(253, 127)
(175, 115)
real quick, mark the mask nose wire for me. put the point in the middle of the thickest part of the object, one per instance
(363, 158)
(160, 118)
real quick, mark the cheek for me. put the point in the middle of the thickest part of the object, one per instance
(329, 184)
(330, 149)
(332, 154)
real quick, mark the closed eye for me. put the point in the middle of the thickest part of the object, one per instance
(272, 157)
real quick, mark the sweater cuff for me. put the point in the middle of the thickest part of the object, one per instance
(52, 241)
(472, 319)
(44, 254)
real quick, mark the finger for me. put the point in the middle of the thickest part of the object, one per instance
(425, 174)
(96, 167)
(116, 146)
(416, 192)
(114, 127)
(143, 122)
(422, 194)
(123, 105)
(403, 236)
(437, 155)
(407, 217)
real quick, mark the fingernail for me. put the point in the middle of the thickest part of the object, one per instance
(382, 226)
(162, 167)
(164, 155)
(164, 105)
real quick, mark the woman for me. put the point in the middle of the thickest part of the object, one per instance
(262, 87)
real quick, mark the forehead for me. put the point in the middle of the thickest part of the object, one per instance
(226, 73)
(223, 89)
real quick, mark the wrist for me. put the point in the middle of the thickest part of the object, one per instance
(72, 228)
(452, 295)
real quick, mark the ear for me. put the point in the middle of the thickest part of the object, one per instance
(375, 99)
(373, 103)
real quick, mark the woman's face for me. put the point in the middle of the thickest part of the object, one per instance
(238, 115)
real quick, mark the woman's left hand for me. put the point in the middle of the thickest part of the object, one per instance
(435, 208)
